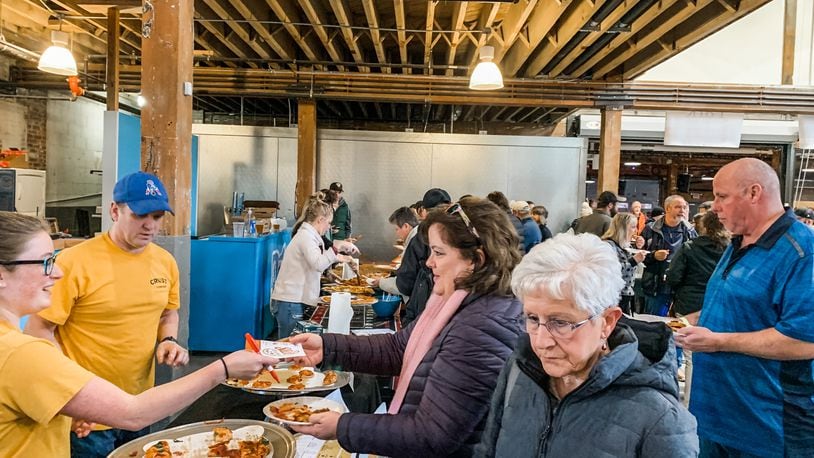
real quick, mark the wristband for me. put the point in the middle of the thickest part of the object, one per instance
(170, 338)
(225, 369)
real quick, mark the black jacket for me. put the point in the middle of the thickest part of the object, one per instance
(342, 220)
(689, 273)
(447, 400)
(414, 278)
(653, 277)
(628, 407)
(518, 228)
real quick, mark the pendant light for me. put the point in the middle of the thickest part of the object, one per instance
(486, 75)
(57, 58)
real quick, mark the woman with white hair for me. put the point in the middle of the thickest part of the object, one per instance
(580, 383)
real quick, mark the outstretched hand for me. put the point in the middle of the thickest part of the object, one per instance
(312, 345)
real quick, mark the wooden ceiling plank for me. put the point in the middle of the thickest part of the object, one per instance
(576, 19)
(375, 36)
(363, 107)
(317, 16)
(497, 115)
(687, 10)
(485, 21)
(100, 24)
(238, 28)
(281, 44)
(378, 109)
(693, 35)
(24, 25)
(545, 113)
(348, 110)
(514, 21)
(286, 11)
(514, 113)
(202, 39)
(429, 24)
(636, 27)
(343, 17)
(612, 19)
(530, 113)
(466, 114)
(457, 23)
(401, 25)
(238, 51)
(540, 23)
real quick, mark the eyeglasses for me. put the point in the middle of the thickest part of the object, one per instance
(457, 209)
(557, 328)
(47, 263)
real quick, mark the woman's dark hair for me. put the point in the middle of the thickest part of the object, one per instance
(499, 199)
(402, 216)
(712, 227)
(494, 252)
(17, 230)
(329, 196)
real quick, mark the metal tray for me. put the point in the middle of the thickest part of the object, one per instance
(282, 442)
(342, 379)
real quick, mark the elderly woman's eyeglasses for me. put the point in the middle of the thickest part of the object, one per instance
(457, 209)
(557, 328)
(47, 263)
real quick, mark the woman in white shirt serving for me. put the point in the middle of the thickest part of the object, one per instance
(304, 260)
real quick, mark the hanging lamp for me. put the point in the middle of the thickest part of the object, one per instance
(486, 76)
(57, 59)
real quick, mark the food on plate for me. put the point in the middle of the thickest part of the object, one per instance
(306, 373)
(676, 324)
(353, 289)
(296, 386)
(160, 449)
(295, 367)
(294, 379)
(260, 384)
(254, 449)
(221, 434)
(291, 411)
(330, 378)
(354, 300)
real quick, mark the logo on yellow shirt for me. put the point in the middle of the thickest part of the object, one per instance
(160, 283)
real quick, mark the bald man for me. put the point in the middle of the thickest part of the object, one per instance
(753, 383)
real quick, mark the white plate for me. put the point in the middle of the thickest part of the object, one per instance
(313, 383)
(313, 402)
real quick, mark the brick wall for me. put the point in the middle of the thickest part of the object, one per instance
(36, 116)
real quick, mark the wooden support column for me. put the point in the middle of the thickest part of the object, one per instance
(113, 59)
(166, 119)
(672, 181)
(789, 36)
(610, 150)
(306, 152)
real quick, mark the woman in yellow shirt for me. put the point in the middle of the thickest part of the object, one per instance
(41, 389)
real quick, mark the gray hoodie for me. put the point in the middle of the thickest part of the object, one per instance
(628, 407)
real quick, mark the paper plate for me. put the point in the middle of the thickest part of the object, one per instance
(312, 402)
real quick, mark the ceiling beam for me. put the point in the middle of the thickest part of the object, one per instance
(488, 13)
(317, 16)
(696, 29)
(100, 24)
(656, 31)
(429, 23)
(514, 21)
(239, 28)
(540, 23)
(610, 20)
(286, 11)
(216, 29)
(202, 39)
(281, 43)
(576, 19)
(375, 36)
(457, 24)
(401, 25)
(378, 108)
(343, 17)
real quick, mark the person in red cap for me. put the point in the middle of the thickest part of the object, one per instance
(116, 308)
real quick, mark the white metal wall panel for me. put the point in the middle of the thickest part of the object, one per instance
(228, 163)
(550, 176)
(470, 169)
(378, 177)
(286, 177)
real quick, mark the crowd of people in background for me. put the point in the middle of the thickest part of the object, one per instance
(516, 341)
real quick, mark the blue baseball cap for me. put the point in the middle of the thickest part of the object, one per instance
(143, 192)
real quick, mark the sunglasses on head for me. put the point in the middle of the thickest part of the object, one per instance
(456, 209)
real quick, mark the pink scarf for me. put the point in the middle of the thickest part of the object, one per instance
(434, 318)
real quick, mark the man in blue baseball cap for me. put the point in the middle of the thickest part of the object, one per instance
(116, 308)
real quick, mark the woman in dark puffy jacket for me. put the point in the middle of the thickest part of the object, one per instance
(581, 384)
(448, 360)
(689, 273)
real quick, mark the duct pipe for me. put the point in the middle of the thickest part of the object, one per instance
(17, 51)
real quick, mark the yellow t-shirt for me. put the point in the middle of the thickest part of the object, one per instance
(107, 309)
(36, 383)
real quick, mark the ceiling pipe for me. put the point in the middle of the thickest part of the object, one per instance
(17, 51)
